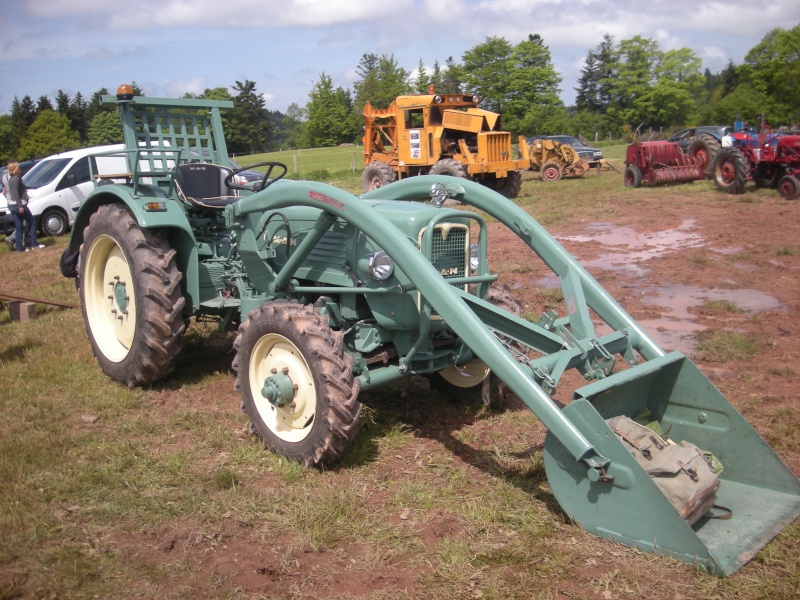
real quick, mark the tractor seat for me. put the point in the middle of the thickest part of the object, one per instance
(203, 185)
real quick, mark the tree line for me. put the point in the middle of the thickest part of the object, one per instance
(625, 88)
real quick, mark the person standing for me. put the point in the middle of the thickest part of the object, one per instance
(18, 206)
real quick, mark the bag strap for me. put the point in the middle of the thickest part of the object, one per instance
(643, 450)
(727, 513)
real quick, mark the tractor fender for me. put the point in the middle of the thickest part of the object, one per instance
(171, 217)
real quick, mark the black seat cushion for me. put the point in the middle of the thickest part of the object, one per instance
(203, 185)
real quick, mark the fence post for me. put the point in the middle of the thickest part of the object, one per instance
(294, 162)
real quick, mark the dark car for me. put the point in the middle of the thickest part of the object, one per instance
(587, 153)
(685, 137)
(24, 167)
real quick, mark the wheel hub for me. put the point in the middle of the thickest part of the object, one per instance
(278, 388)
(120, 295)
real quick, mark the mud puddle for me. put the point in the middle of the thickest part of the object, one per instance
(626, 252)
(635, 248)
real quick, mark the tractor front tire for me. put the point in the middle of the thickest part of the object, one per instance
(465, 382)
(705, 148)
(633, 176)
(510, 185)
(130, 297)
(789, 187)
(730, 171)
(376, 175)
(296, 382)
(448, 166)
(552, 171)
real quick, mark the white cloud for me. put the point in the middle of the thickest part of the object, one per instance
(245, 14)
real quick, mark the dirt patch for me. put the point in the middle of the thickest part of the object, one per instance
(717, 263)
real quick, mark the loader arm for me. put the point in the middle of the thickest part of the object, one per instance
(594, 478)
(620, 501)
(448, 302)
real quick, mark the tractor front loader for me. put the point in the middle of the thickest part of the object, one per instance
(332, 294)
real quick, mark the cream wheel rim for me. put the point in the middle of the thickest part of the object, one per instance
(467, 375)
(110, 298)
(274, 354)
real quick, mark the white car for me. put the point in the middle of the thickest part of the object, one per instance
(58, 184)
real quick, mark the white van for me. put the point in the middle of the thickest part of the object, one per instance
(58, 184)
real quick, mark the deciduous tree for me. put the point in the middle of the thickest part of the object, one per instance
(50, 133)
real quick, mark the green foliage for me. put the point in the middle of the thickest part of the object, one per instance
(327, 114)
(774, 67)
(487, 71)
(49, 134)
(380, 81)
(106, 128)
(7, 139)
(533, 103)
(248, 128)
(743, 103)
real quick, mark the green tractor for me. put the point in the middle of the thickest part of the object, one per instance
(333, 293)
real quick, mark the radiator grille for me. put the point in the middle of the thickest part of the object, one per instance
(497, 146)
(449, 250)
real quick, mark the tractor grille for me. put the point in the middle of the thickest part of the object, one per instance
(449, 250)
(497, 146)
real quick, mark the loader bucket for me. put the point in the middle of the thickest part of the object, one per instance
(763, 495)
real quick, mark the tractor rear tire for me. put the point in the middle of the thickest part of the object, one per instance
(283, 343)
(789, 187)
(465, 382)
(705, 148)
(552, 171)
(510, 185)
(376, 175)
(448, 166)
(633, 176)
(131, 297)
(730, 171)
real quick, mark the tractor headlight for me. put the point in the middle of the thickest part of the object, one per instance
(381, 265)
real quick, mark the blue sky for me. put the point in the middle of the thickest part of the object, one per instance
(170, 47)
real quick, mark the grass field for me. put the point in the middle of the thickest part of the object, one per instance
(162, 492)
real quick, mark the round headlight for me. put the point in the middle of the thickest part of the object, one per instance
(381, 266)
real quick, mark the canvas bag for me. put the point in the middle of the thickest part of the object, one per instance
(680, 471)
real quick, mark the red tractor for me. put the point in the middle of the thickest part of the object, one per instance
(770, 160)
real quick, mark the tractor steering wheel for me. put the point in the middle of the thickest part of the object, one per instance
(267, 181)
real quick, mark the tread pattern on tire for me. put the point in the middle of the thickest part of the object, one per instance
(709, 144)
(160, 323)
(510, 185)
(732, 158)
(377, 169)
(337, 403)
(448, 166)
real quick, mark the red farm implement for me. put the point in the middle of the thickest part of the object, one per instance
(656, 163)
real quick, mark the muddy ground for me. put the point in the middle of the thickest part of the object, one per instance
(687, 266)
